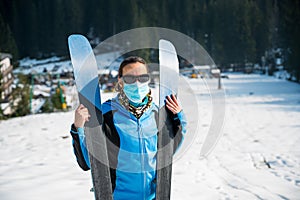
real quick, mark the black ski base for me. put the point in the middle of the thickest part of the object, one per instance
(96, 145)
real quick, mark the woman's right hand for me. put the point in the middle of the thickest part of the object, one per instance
(81, 116)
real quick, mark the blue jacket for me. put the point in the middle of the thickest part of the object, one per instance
(133, 164)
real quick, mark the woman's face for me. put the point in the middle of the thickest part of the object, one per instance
(134, 69)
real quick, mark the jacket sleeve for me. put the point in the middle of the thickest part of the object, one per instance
(179, 129)
(80, 149)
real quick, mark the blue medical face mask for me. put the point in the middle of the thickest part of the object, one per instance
(136, 92)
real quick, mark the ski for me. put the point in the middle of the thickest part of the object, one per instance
(87, 83)
(168, 84)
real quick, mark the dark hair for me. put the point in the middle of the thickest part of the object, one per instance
(129, 60)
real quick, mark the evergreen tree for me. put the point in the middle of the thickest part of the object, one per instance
(47, 107)
(7, 42)
(232, 31)
(290, 23)
(21, 97)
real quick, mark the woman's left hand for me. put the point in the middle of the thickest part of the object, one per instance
(172, 104)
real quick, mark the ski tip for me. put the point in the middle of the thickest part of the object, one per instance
(167, 46)
(79, 47)
(163, 42)
(75, 37)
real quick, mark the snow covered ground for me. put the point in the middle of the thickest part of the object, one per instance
(59, 65)
(258, 156)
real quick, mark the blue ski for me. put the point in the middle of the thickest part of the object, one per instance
(86, 78)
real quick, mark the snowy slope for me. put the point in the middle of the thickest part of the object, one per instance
(261, 130)
(258, 156)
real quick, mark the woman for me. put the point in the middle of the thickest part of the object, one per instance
(130, 124)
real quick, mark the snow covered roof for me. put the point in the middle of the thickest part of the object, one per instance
(5, 55)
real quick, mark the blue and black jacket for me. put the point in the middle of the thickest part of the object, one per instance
(132, 148)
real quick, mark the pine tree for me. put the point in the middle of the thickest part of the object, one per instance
(7, 42)
(21, 97)
(290, 24)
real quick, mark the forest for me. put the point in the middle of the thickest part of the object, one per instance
(232, 31)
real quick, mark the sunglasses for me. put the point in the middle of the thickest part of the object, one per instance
(129, 79)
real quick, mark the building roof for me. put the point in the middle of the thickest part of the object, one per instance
(5, 55)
